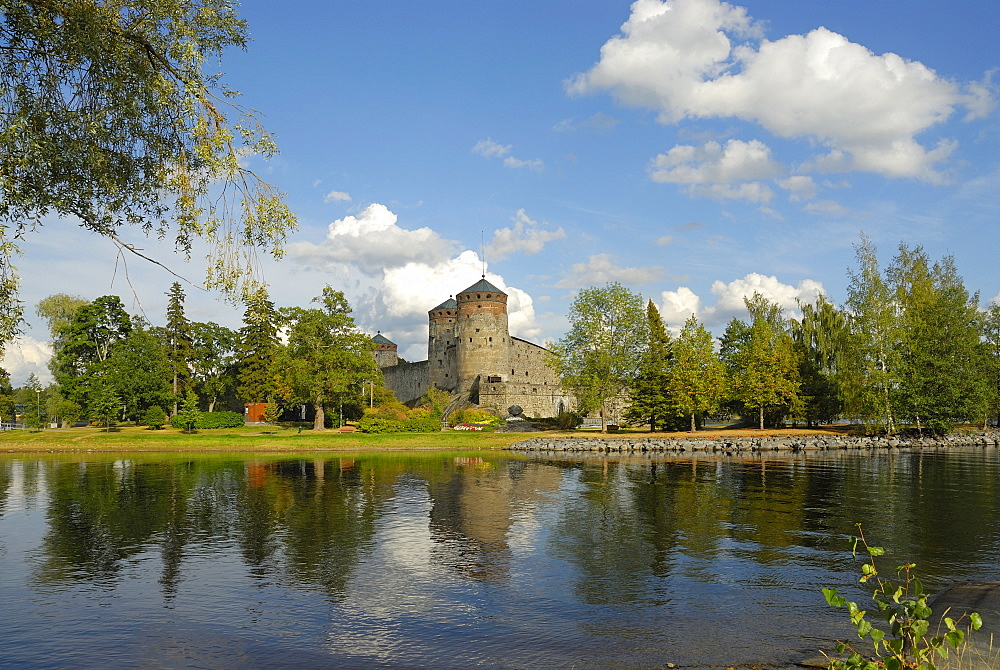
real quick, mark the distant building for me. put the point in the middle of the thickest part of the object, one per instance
(470, 351)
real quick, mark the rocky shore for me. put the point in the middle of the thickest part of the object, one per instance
(743, 445)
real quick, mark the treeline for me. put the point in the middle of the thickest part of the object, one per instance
(109, 366)
(908, 350)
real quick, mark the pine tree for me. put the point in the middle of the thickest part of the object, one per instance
(258, 350)
(649, 397)
(178, 343)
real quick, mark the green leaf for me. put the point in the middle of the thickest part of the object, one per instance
(877, 636)
(876, 551)
(864, 627)
(955, 638)
(893, 664)
(976, 620)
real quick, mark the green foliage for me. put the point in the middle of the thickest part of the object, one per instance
(188, 416)
(327, 360)
(258, 349)
(177, 341)
(905, 642)
(473, 415)
(568, 420)
(104, 404)
(697, 380)
(763, 367)
(208, 420)
(213, 360)
(601, 354)
(138, 370)
(820, 342)
(111, 118)
(650, 399)
(376, 424)
(436, 400)
(154, 418)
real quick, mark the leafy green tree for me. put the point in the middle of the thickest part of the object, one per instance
(6, 397)
(31, 397)
(939, 376)
(58, 310)
(139, 371)
(213, 360)
(327, 359)
(177, 336)
(601, 355)
(649, 397)
(189, 412)
(871, 344)
(990, 361)
(110, 118)
(258, 350)
(763, 367)
(104, 403)
(84, 345)
(820, 341)
(697, 378)
(154, 418)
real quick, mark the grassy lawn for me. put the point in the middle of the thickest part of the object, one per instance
(250, 438)
(276, 438)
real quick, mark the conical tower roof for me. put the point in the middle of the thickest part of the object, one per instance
(382, 339)
(447, 304)
(483, 286)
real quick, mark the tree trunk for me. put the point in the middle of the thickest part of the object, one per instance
(211, 405)
(693, 426)
(319, 421)
(762, 417)
(604, 420)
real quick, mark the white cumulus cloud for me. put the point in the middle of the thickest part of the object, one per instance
(25, 356)
(337, 196)
(526, 236)
(370, 242)
(601, 269)
(691, 59)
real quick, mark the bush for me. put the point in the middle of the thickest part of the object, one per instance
(473, 416)
(154, 418)
(372, 423)
(568, 420)
(209, 420)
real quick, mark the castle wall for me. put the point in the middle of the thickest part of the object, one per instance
(407, 380)
(537, 400)
(441, 348)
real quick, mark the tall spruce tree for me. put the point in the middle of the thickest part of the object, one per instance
(258, 350)
(177, 336)
(697, 378)
(649, 397)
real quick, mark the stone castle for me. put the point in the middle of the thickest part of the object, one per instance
(470, 353)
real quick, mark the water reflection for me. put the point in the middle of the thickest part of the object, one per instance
(448, 560)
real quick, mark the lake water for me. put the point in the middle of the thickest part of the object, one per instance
(438, 560)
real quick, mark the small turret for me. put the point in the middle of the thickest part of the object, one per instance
(441, 345)
(386, 354)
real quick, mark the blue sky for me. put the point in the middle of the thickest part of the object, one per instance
(693, 150)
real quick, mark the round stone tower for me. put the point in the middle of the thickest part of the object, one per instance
(482, 334)
(386, 354)
(441, 363)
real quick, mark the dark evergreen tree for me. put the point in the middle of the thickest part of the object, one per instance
(177, 339)
(258, 349)
(820, 340)
(649, 397)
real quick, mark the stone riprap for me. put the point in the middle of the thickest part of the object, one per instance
(726, 445)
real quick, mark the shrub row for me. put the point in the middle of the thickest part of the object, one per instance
(377, 424)
(209, 420)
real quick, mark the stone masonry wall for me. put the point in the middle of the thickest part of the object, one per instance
(407, 380)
